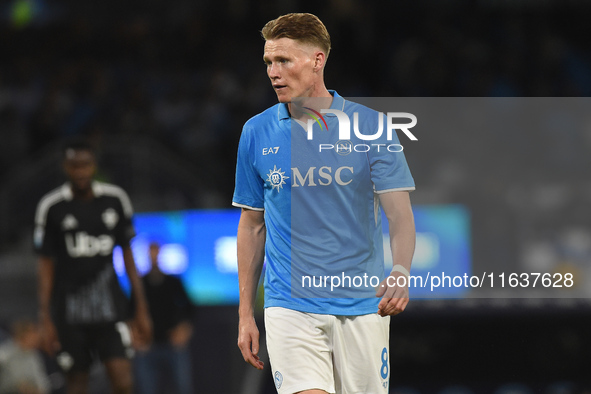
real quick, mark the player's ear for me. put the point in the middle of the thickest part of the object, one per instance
(319, 60)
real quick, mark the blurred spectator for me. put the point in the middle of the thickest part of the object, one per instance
(166, 365)
(22, 370)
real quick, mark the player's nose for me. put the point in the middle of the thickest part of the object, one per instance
(273, 71)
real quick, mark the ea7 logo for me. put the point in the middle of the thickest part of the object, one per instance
(345, 125)
(270, 151)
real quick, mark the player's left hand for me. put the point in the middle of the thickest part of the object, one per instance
(394, 297)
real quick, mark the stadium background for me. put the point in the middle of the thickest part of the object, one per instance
(163, 89)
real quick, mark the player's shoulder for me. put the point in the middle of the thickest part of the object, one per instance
(269, 116)
(350, 107)
(52, 198)
(109, 190)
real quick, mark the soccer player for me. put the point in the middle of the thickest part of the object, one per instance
(82, 308)
(313, 214)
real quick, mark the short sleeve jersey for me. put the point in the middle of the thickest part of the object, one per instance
(79, 236)
(320, 199)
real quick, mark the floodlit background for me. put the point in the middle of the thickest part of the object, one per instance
(163, 87)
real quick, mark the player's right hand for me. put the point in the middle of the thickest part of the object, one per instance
(49, 340)
(248, 342)
(394, 298)
(141, 330)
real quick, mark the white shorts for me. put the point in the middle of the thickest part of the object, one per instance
(337, 354)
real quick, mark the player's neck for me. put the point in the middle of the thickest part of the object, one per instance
(82, 194)
(320, 99)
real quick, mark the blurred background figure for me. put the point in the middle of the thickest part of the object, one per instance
(165, 366)
(82, 308)
(22, 370)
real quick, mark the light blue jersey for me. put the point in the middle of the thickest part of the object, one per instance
(321, 207)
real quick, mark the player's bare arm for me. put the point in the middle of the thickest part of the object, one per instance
(141, 324)
(397, 207)
(251, 252)
(49, 339)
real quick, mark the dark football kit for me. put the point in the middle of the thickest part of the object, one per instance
(87, 303)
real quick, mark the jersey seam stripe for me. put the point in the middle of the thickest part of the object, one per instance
(49, 200)
(116, 191)
(247, 206)
(397, 189)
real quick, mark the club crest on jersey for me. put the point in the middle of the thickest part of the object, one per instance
(110, 218)
(276, 178)
(278, 379)
(69, 222)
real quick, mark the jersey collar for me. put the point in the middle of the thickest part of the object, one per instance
(338, 102)
(66, 190)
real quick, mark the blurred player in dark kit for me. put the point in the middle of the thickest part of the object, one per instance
(82, 309)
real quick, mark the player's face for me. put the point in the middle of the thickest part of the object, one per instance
(80, 167)
(290, 66)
